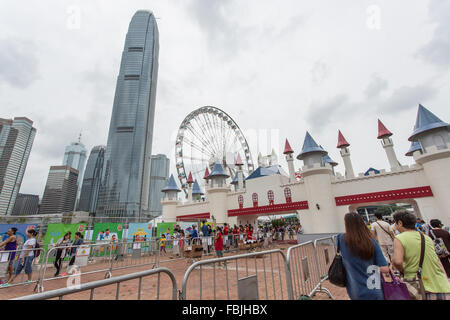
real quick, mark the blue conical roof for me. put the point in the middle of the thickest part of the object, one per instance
(326, 159)
(309, 145)
(235, 180)
(217, 171)
(171, 185)
(264, 171)
(415, 145)
(196, 188)
(425, 121)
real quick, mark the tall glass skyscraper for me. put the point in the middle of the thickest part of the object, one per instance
(16, 140)
(92, 179)
(126, 176)
(75, 157)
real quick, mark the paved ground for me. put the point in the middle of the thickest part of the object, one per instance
(208, 281)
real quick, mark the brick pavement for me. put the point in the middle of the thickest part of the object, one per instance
(270, 271)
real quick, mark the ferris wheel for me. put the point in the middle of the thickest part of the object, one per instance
(205, 136)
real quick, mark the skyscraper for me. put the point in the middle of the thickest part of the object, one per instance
(60, 190)
(16, 140)
(75, 157)
(92, 179)
(26, 205)
(126, 176)
(159, 174)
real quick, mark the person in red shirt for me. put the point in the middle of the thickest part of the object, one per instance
(250, 233)
(226, 231)
(235, 236)
(219, 244)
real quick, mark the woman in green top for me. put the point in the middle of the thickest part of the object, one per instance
(407, 247)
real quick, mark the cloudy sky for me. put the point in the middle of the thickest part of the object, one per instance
(276, 67)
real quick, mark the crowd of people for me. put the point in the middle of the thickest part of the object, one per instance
(19, 260)
(397, 250)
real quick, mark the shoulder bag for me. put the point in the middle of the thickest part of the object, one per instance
(439, 245)
(415, 286)
(336, 273)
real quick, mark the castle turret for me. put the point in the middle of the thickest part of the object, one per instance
(433, 135)
(217, 193)
(345, 154)
(331, 162)
(190, 181)
(205, 177)
(290, 161)
(388, 145)
(170, 200)
(415, 146)
(196, 191)
(239, 173)
(317, 178)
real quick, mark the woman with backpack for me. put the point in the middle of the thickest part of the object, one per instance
(362, 258)
(436, 233)
(26, 256)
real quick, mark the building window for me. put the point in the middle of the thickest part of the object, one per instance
(271, 197)
(132, 77)
(241, 201)
(255, 199)
(288, 195)
(135, 49)
(124, 129)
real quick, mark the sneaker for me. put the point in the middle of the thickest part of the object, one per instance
(5, 284)
(28, 281)
(63, 274)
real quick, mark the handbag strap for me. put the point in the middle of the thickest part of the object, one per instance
(390, 235)
(422, 254)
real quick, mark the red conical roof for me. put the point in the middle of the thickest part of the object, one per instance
(341, 141)
(382, 131)
(190, 180)
(206, 173)
(239, 160)
(287, 148)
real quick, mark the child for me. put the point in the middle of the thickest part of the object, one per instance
(162, 243)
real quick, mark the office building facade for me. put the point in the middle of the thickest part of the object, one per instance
(92, 180)
(159, 175)
(26, 205)
(126, 175)
(16, 139)
(60, 190)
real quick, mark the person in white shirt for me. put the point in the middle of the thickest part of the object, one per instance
(384, 234)
(26, 256)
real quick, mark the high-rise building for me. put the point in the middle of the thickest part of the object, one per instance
(16, 140)
(60, 190)
(159, 174)
(126, 176)
(26, 205)
(75, 157)
(91, 180)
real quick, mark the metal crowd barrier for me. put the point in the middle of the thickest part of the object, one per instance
(95, 253)
(303, 269)
(134, 254)
(251, 276)
(325, 251)
(60, 293)
(5, 261)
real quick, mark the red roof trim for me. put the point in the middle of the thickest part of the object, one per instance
(341, 141)
(239, 160)
(410, 193)
(382, 130)
(270, 209)
(190, 180)
(206, 173)
(287, 148)
(196, 216)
